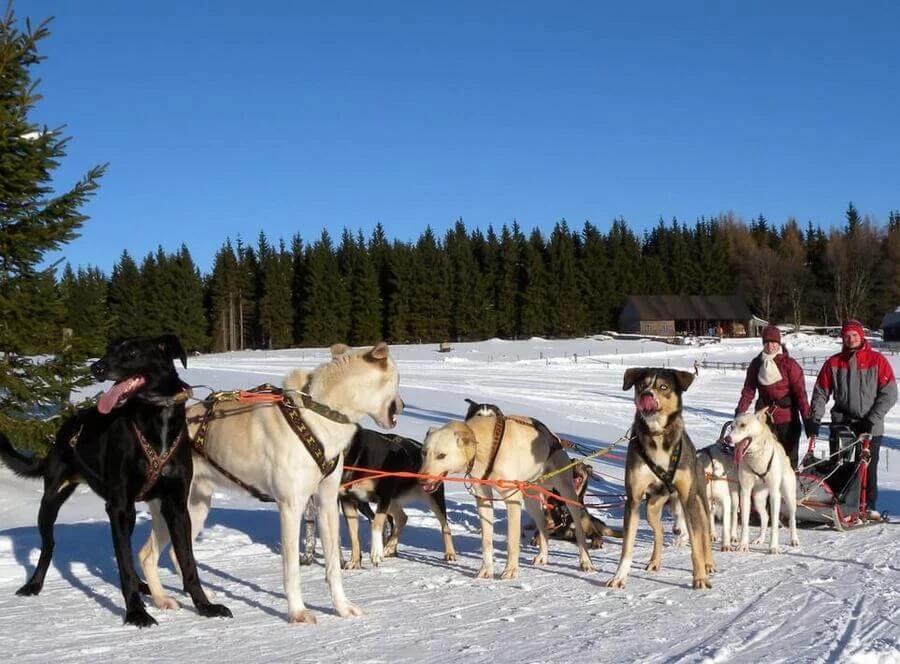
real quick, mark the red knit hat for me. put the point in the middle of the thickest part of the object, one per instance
(853, 326)
(771, 333)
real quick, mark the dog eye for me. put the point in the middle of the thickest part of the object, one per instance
(440, 455)
(664, 387)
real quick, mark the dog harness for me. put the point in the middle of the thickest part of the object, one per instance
(155, 462)
(668, 475)
(497, 438)
(292, 415)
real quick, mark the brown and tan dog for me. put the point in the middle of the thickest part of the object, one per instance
(661, 460)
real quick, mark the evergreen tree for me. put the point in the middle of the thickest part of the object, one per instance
(429, 317)
(224, 293)
(506, 283)
(567, 312)
(325, 304)
(87, 321)
(365, 305)
(535, 286)
(595, 273)
(34, 220)
(298, 286)
(125, 299)
(186, 288)
(463, 275)
(388, 281)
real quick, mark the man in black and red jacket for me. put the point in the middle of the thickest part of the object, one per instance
(861, 381)
(779, 380)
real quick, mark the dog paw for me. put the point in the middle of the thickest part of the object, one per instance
(540, 559)
(702, 583)
(715, 539)
(510, 573)
(743, 547)
(710, 568)
(450, 557)
(774, 550)
(166, 603)
(653, 566)
(484, 573)
(349, 611)
(29, 589)
(586, 566)
(214, 611)
(758, 541)
(353, 564)
(390, 551)
(376, 559)
(615, 582)
(306, 559)
(139, 618)
(795, 542)
(303, 616)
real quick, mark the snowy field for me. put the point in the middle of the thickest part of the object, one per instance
(836, 598)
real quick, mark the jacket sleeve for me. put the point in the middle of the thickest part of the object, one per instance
(798, 389)
(821, 392)
(886, 396)
(750, 385)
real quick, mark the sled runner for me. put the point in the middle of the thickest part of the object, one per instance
(832, 490)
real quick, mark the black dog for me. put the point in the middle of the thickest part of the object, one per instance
(389, 453)
(132, 446)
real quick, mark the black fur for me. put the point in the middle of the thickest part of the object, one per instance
(476, 408)
(108, 456)
(389, 453)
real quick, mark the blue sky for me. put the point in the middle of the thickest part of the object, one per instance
(226, 118)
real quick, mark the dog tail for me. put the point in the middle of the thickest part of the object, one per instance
(602, 529)
(20, 464)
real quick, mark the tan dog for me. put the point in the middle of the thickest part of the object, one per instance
(525, 453)
(255, 443)
(764, 471)
(661, 460)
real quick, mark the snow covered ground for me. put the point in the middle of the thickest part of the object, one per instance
(833, 599)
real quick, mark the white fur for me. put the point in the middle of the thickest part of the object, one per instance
(751, 431)
(257, 445)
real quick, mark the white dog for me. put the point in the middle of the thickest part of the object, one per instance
(765, 470)
(721, 492)
(525, 452)
(256, 444)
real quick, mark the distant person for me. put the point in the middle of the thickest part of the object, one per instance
(862, 384)
(779, 380)
(696, 368)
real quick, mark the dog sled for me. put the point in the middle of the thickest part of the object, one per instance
(832, 490)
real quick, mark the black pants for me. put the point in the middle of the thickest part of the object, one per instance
(872, 472)
(788, 434)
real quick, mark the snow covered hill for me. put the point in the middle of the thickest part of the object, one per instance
(836, 598)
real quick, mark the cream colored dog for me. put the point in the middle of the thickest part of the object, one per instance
(765, 471)
(722, 494)
(525, 453)
(255, 443)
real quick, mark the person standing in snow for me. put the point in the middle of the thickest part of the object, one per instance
(862, 384)
(779, 380)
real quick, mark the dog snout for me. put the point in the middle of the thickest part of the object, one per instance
(397, 406)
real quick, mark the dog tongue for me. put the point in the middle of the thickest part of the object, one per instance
(647, 403)
(114, 394)
(739, 450)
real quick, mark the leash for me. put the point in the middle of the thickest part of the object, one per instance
(593, 455)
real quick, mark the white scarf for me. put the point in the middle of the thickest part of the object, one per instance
(768, 370)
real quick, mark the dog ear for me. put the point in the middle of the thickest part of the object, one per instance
(378, 354)
(634, 376)
(683, 379)
(339, 349)
(762, 415)
(170, 344)
(464, 436)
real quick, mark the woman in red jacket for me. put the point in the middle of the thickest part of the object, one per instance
(779, 380)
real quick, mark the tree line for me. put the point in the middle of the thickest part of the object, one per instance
(466, 284)
(471, 284)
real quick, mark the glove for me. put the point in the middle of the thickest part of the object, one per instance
(811, 427)
(866, 426)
